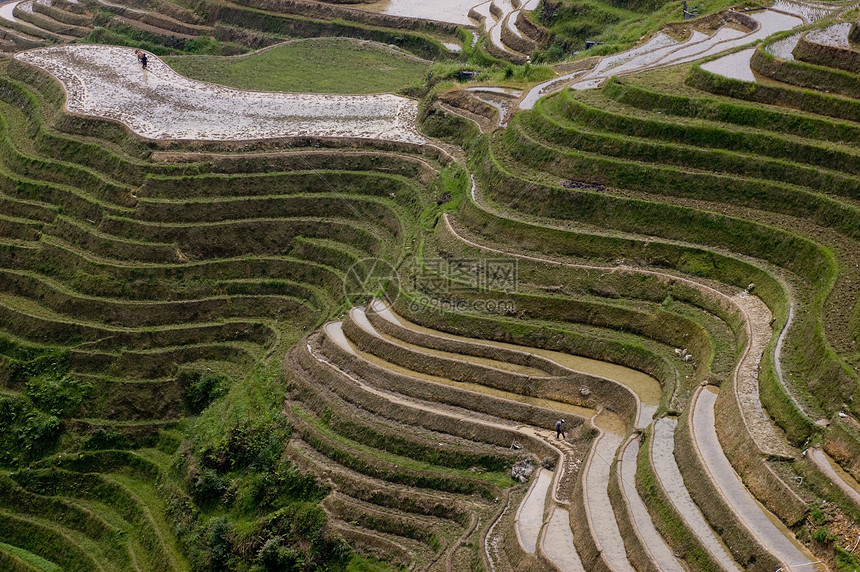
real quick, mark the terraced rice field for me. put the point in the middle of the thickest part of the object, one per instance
(202, 368)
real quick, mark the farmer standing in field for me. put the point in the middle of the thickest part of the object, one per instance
(559, 429)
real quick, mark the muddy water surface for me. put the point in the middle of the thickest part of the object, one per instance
(454, 11)
(335, 333)
(558, 543)
(603, 524)
(663, 459)
(530, 517)
(734, 66)
(643, 385)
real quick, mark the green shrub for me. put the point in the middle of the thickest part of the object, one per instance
(220, 547)
(108, 439)
(57, 395)
(844, 560)
(25, 432)
(202, 389)
(822, 534)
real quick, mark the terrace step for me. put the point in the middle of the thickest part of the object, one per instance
(661, 50)
(9, 16)
(662, 458)
(586, 139)
(379, 314)
(843, 480)
(656, 552)
(471, 378)
(775, 540)
(26, 12)
(613, 116)
(568, 462)
(164, 23)
(375, 463)
(587, 376)
(374, 543)
(377, 491)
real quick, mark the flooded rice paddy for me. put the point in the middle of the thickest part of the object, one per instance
(157, 103)
(559, 406)
(603, 525)
(647, 388)
(558, 543)
(453, 11)
(735, 66)
(661, 554)
(765, 527)
(530, 515)
(669, 475)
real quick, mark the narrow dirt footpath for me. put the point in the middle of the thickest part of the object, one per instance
(758, 318)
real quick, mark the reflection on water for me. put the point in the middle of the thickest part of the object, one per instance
(643, 385)
(530, 517)
(584, 412)
(454, 11)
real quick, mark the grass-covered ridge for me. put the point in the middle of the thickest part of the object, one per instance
(318, 65)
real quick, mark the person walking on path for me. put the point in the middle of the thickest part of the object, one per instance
(559, 429)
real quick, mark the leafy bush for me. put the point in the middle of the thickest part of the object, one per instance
(207, 487)
(220, 547)
(25, 432)
(822, 534)
(57, 395)
(203, 389)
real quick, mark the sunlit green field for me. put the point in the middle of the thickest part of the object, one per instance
(326, 65)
